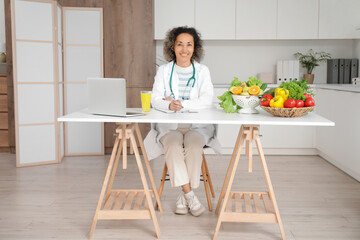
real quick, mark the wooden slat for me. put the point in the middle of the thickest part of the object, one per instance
(4, 138)
(119, 201)
(124, 214)
(267, 203)
(249, 217)
(139, 200)
(238, 207)
(146, 205)
(3, 103)
(129, 200)
(257, 203)
(109, 203)
(228, 207)
(3, 85)
(248, 206)
(3, 121)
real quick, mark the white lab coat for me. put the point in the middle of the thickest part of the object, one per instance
(200, 98)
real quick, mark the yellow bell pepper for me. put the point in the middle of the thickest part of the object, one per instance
(277, 102)
(282, 92)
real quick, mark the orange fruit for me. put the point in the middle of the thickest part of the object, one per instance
(254, 90)
(237, 90)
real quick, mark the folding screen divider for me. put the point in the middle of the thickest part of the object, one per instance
(40, 94)
(83, 58)
(35, 72)
(60, 82)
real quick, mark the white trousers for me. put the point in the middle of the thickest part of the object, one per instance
(183, 156)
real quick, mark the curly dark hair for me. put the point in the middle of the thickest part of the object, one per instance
(170, 39)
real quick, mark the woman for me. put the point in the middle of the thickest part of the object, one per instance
(180, 85)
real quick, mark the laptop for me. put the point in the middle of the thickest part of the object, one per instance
(107, 96)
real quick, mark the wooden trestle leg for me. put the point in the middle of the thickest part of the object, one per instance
(250, 200)
(127, 203)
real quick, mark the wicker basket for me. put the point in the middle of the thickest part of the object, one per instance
(288, 112)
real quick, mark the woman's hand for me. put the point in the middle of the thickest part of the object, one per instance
(175, 105)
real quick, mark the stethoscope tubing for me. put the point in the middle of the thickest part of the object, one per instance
(192, 78)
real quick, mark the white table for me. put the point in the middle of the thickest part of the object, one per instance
(238, 205)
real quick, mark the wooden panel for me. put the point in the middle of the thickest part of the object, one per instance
(9, 71)
(3, 121)
(3, 84)
(4, 138)
(3, 103)
(81, 3)
(129, 48)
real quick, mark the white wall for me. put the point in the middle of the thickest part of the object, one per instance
(357, 51)
(2, 22)
(242, 59)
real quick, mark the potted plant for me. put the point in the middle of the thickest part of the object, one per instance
(310, 60)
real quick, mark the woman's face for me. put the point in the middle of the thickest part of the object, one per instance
(184, 49)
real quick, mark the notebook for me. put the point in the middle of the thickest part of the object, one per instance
(107, 96)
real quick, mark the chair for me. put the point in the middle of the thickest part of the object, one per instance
(205, 177)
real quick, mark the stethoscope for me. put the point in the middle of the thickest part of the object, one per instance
(172, 95)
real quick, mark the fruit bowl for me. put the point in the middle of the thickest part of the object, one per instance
(288, 112)
(247, 102)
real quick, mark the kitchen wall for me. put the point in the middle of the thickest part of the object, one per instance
(227, 59)
(357, 50)
(2, 22)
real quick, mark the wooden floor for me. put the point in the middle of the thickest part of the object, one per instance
(315, 199)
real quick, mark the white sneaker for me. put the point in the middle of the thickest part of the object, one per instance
(181, 205)
(196, 208)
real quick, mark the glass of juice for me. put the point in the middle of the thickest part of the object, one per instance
(145, 100)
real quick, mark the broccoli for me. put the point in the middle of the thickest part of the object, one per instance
(296, 89)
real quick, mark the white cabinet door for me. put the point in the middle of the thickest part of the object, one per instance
(298, 19)
(256, 19)
(172, 13)
(339, 19)
(215, 19)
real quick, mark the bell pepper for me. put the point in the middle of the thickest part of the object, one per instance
(282, 92)
(277, 102)
(265, 102)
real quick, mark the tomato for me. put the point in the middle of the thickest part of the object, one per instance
(289, 103)
(307, 95)
(299, 103)
(268, 96)
(309, 102)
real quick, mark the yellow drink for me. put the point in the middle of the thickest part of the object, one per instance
(145, 100)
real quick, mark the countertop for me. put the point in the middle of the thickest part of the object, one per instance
(338, 87)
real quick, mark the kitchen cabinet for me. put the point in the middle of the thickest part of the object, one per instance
(340, 144)
(297, 19)
(172, 13)
(4, 132)
(256, 19)
(339, 19)
(215, 19)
